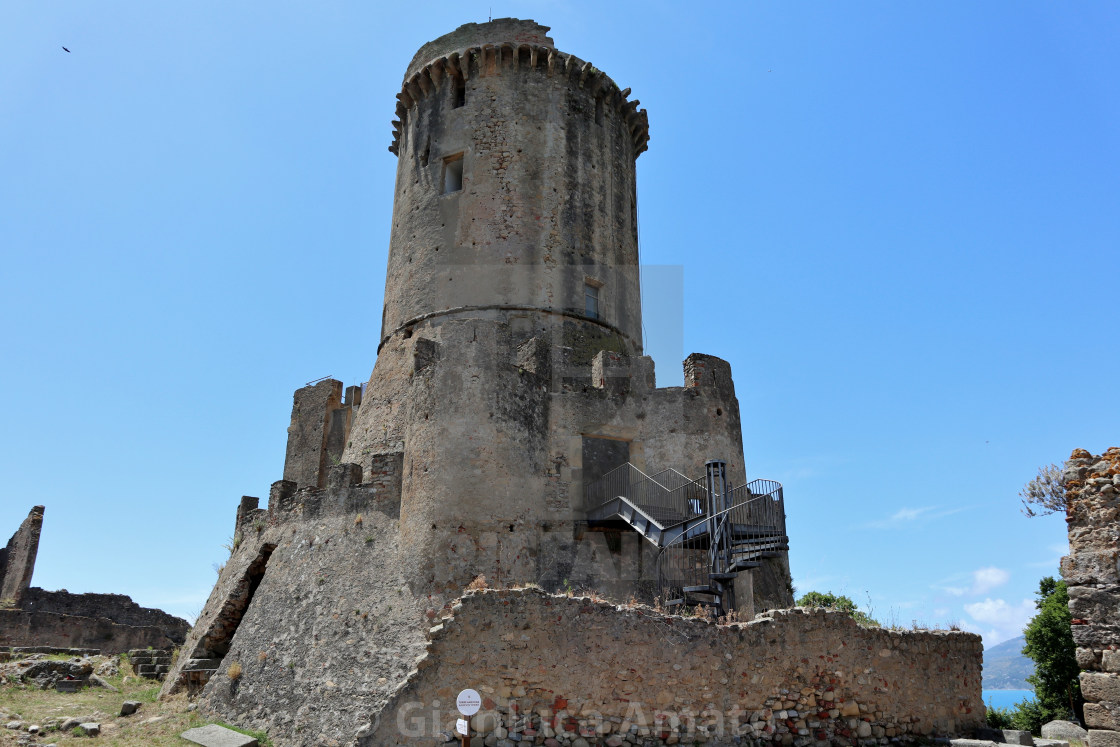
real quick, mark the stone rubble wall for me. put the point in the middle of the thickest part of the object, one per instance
(569, 670)
(1092, 574)
(117, 608)
(23, 628)
(17, 559)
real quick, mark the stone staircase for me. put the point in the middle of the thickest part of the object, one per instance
(196, 673)
(152, 663)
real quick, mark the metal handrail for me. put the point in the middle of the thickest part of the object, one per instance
(668, 496)
(744, 531)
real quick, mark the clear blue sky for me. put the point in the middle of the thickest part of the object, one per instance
(898, 221)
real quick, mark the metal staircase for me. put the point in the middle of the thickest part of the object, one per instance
(707, 532)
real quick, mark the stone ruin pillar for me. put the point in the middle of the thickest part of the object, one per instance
(1092, 574)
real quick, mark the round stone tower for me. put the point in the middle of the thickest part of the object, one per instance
(513, 263)
(515, 192)
(510, 377)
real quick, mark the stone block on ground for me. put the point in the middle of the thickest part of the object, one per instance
(1104, 738)
(213, 735)
(95, 680)
(69, 686)
(1051, 743)
(89, 729)
(987, 734)
(130, 707)
(1064, 730)
(1017, 736)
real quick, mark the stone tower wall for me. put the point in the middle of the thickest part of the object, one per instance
(1092, 574)
(546, 146)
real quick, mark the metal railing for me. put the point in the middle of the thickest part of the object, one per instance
(754, 524)
(666, 496)
(716, 531)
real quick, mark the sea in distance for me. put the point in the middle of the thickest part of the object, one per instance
(1006, 698)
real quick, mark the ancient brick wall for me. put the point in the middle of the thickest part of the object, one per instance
(17, 559)
(552, 665)
(1092, 574)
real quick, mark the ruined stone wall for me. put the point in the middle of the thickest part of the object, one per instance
(315, 606)
(320, 428)
(116, 608)
(549, 665)
(32, 628)
(1092, 574)
(17, 559)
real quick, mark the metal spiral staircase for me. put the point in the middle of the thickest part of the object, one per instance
(707, 532)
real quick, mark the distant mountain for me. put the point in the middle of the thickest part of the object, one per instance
(1005, 667)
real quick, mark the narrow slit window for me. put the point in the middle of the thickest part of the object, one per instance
(591, 300)
(458, 92)
(452, 174)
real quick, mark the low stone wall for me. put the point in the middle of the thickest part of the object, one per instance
(555, 670)
(1092, 575)
(116, 608)
(24, 628)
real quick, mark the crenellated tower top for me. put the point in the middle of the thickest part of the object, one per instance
(516, 43)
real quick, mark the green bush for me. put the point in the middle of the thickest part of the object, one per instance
(1000, 718)
(1050, 644)
(1030, 715)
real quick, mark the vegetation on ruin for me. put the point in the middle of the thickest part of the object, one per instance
(1045, 494)
(839, 603)
(1050, 644)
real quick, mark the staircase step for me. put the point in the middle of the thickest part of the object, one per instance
(705, 589)
(723, 576)
(743, 565)
(707, 602)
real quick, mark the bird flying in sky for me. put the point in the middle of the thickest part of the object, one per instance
(64, 49)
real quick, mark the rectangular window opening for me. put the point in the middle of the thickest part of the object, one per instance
(458, 92)
(591, 300)
(453, 173)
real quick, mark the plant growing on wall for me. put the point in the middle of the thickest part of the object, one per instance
(1045, 494)
(839, 603)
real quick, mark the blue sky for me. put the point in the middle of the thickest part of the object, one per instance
(898, 222)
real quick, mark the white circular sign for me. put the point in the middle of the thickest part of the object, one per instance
(468, 702)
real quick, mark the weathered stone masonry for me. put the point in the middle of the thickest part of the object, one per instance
(109, 622)
(509, 382)
(17, 559)
(551, 666)
(1092, 573)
